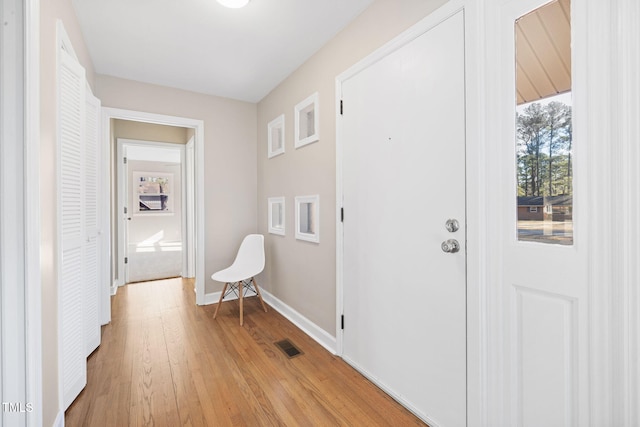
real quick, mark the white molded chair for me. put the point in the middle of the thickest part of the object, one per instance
(238, 278)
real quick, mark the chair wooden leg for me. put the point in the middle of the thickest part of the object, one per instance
(220, 300)
(241, 291)
(255, 284)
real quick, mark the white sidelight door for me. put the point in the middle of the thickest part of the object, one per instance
(402, 134)
(540, 252)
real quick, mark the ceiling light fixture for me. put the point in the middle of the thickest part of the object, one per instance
(234, 4)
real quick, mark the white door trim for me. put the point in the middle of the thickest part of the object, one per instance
(628, 300)
(198, 127)
(610, 63)
(33, 278)
(188, 199)
(21, 332)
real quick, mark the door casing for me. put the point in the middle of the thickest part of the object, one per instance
(198, 174)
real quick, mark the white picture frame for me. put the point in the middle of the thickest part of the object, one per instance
(152, 193)
(276, 215)
(307, 121)
(308, 218)
(275, 137)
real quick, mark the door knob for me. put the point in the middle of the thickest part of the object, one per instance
(452, 225)
(450, 246)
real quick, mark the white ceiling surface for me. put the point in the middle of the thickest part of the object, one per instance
(201, 46)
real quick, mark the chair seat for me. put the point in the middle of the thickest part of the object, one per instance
(232, 274)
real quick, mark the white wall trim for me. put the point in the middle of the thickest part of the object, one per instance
(20, 275)
(213, 297)
(477, 212)
(189, 199)
(59, 422)
(318, 334)
(592, 70)
(627, 300)
(33, 279)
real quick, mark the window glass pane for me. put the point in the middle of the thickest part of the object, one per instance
(544, 132)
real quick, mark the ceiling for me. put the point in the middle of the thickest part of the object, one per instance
(543, 52)
(201, 46)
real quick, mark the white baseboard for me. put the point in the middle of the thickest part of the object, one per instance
(321, 336)
(59, 422)
(318, 334)
(213, 298)
(114, 288)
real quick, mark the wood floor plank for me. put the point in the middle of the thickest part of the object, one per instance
(164, 361)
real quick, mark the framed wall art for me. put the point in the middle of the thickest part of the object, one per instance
(308, 218)
(152, 193)
(307, 121)
(276, 215)
(275, 137)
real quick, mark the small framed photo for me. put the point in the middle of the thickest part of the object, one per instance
(308, 218)
(276, 215)
(275, 137)
(307, 121)
(152, 193)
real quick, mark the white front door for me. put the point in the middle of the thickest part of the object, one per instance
(404, 297)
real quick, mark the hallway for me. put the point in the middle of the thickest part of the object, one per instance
(166, 362)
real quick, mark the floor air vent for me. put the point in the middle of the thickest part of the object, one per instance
(288, 348)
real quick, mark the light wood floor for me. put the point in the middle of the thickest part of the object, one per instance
(166, 362)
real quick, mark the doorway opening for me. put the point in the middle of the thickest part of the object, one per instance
(192, 174)
(152, 195)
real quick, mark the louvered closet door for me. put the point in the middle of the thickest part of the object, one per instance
(71, 105)
(91, 222)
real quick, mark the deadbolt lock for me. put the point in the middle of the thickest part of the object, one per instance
(452, 225)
